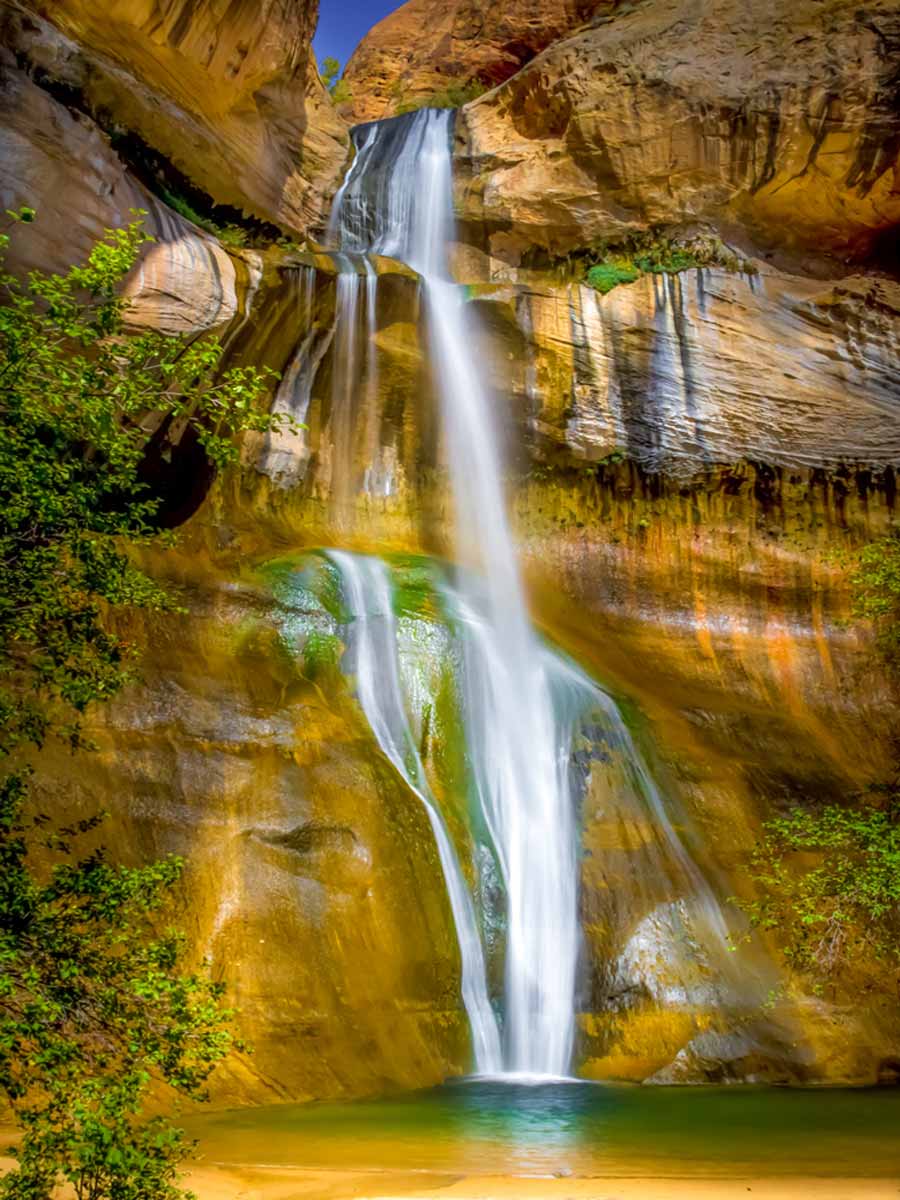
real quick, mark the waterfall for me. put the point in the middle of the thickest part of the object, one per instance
(344, 385)
(397, 201)
(373, 643)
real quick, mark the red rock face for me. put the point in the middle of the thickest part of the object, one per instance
(428, 45)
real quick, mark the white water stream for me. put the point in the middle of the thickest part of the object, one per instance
(398, 201)
(373, 645)
(523, 705)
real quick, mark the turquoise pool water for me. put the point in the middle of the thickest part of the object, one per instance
(579, 1129)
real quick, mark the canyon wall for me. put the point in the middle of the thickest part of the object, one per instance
(775, 124)
(694, 460)
(231, 99)
(425, 46)
(690, 550)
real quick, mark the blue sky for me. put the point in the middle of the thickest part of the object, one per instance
(344, 23)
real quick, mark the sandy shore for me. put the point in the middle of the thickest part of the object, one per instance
(222, 1183)
(278, 1183)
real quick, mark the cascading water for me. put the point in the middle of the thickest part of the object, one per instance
(373, 644)
(402, 668)
(397, 201)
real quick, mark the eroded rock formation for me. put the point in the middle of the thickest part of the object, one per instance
(774, 123)
(427, 45)
(232, 99)
(694, 458)
(61, 164)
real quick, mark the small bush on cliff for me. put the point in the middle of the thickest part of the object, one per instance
(609, 265)
(608, 275)
(830, 883)
(337, 87)
(830, 879)
(876, 587)
(457, 93)
(94, 998)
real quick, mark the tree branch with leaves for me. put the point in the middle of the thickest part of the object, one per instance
(96, 1000)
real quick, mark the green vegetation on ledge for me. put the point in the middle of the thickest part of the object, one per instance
(829, 879)
(95, 997)
(626, 262)
(228, 235)
(457, 93)
(830, 883)
(611, 264)
(336, 86)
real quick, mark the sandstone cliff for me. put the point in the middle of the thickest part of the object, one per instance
(230, 97)
(775, 123)
(684, 502)
(697, 455)
(426, 45)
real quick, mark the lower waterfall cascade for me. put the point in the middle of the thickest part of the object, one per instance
(522, 703)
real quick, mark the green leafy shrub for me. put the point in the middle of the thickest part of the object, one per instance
(830, 883)
(876, 588)
(456, 94)
(338, 88)
(608, 275)
(95, 1000)
(75, 391)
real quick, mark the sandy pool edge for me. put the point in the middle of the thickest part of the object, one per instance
(277, 1183)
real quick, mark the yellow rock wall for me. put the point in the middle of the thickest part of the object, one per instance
(313, 883)
(773, 122)
(230, 96)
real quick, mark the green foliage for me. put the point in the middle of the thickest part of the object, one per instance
(611, 264)
(607, 275)
(75, 393)
(94, 998)
(457, 93)
(330, 70)
(830, 882)
(229, 235)
(876, 588)
(94, 1003)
